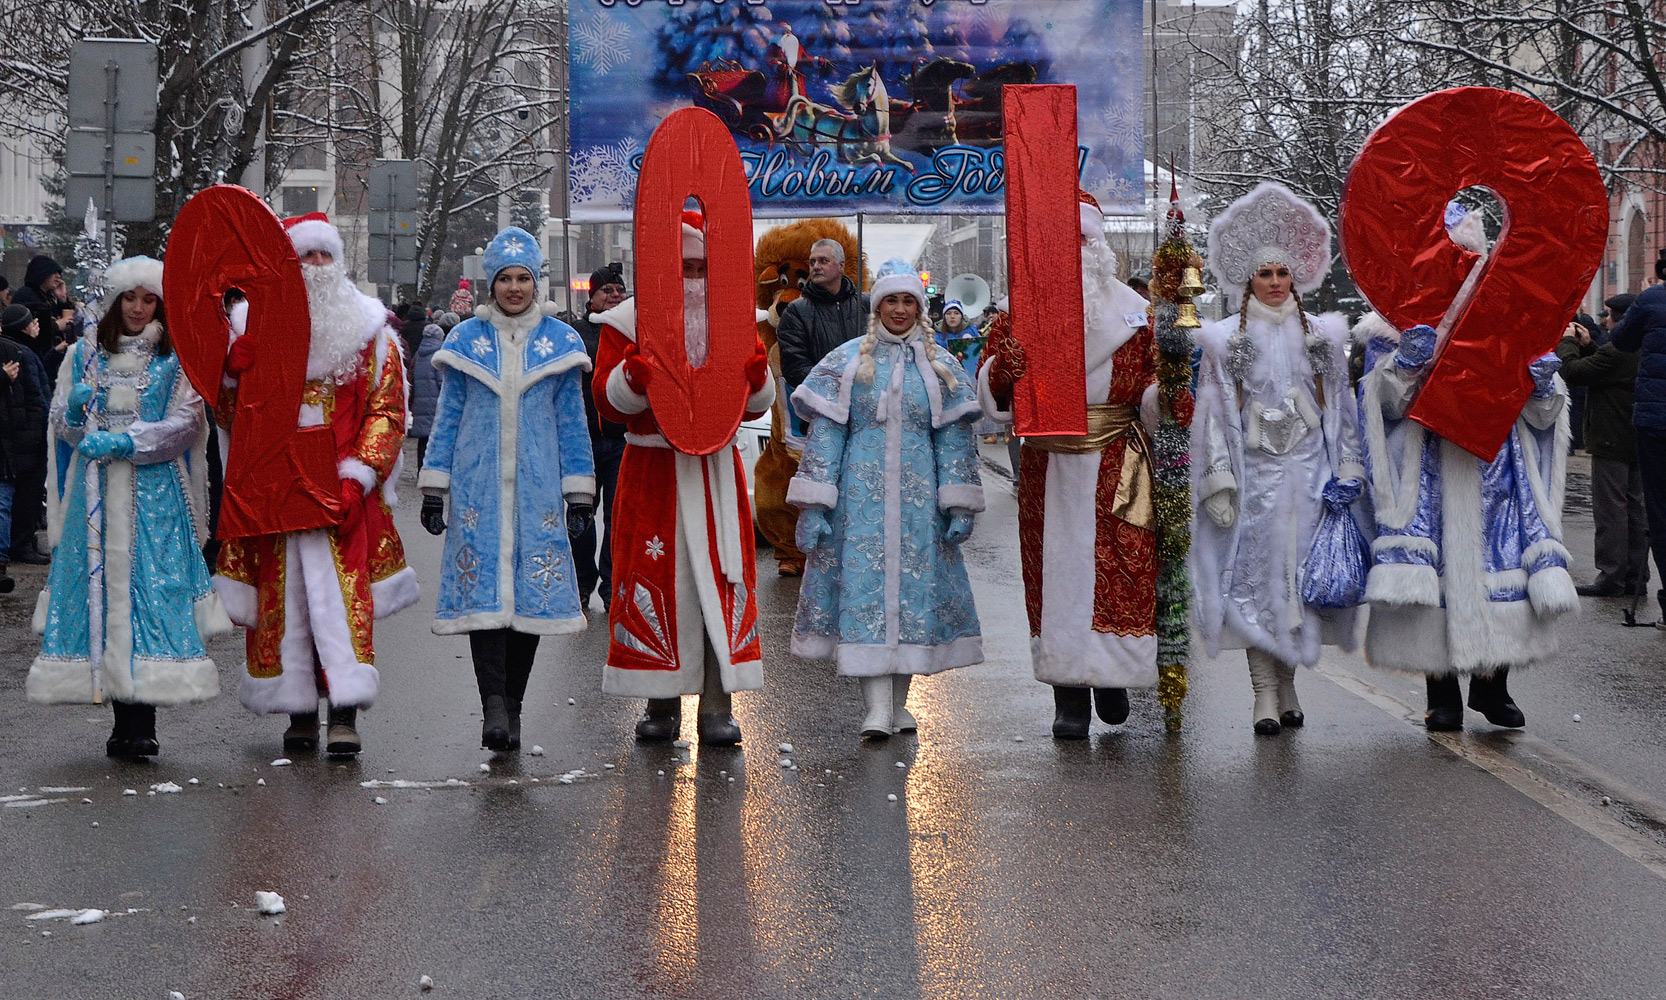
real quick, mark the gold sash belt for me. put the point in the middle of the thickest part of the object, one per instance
(1106, 423)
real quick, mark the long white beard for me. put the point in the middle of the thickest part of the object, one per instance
(1098, 285)
(338, 321)
(696, 339)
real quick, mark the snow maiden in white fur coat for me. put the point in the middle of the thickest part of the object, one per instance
(1470, 574)
(1274, 438)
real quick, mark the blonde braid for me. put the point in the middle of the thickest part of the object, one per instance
(864, 367)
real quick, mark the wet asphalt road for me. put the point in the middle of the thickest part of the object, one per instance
(1355, 858)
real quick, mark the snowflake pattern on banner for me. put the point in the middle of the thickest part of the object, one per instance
(1124, 125)
(602, 43)
(603, 174)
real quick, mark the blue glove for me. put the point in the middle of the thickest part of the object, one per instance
(80, 398)
(1543, 370)
(1340, 494)
(957, 527)
(1417, 347)
(101, 446)
(814, 531)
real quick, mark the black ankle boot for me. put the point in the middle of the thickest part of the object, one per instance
(662, 720)
(494, 725)
(302, 734)
(1111, 704)
(1072, 711)
(134, 731)
(1446, 704)
(1491, 697)
(342, 739)
(514, 710)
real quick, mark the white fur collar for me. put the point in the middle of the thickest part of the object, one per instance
(621, 317)
(1260, 310)
(517, 326)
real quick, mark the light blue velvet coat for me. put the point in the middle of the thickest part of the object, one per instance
(509, 443)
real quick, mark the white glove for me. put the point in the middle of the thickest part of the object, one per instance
(1219, 508)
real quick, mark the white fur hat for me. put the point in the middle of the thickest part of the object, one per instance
(897, 275)
(313, 231)
(134, 272)
(1093, 222)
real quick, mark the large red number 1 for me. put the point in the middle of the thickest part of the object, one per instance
(692, 154)
(278, 478)
(1555, 228)
(1044, 238)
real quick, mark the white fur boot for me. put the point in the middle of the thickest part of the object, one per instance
(1263, 671)
(1289, 709)
(876, 698)
(901, 719)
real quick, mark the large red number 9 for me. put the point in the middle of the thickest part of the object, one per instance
(692, 154)
(1043, 238)
(1555, 228)
(278, 478)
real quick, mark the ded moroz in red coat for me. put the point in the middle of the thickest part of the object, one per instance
(684, 572)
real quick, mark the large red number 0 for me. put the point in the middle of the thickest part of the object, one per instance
(1043, 239)
(1555, 228)
(692, 154)
(278, 478)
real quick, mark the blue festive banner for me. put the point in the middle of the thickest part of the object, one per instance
(887, 106)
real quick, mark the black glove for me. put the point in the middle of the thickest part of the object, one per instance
(433, 515)
(580, 517)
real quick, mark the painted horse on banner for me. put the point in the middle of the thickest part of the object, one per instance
(861, 134)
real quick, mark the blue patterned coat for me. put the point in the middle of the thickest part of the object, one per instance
(158, 605)
(1468, 573)
(888, 460)
(509, 443)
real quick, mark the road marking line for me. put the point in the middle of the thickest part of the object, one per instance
(1598, 821)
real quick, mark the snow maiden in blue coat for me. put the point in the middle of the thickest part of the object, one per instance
(136, 595)
(888, 487)
(511, 447)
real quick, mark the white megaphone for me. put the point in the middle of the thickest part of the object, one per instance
(971, 291)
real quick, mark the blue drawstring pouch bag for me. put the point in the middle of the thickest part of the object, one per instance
(1334, 574)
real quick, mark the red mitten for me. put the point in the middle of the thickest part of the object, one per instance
(757, 369)
(241, 357)
(352, 505)
(1006, 367)
(637, 372)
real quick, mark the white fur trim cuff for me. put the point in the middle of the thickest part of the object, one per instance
(1403, 583)
(1215, 482)
(763, 399)
(241, 602)
(487, 620)
(1551, 592)
(809, 494)
(578, 484)
(352, 468)
(395, 594)
(352, 685)
(58, 682)
(960, 496)
(433, 479)
(624, 399)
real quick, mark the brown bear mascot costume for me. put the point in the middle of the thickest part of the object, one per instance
(780, 262)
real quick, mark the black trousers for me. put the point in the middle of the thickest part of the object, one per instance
(1651, 463)
(502, 662)
(28, 498)
(591, 570)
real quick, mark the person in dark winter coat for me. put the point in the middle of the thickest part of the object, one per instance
(607, 442)
(1643, 331)
(1609, 375)
(425, 384)
(831, 311)
(22, 412)
(26, 442)
(46, 294)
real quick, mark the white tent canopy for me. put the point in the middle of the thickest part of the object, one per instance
(881, 241)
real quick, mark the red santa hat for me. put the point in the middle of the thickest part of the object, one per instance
(1091, 217)
(313, 231)
(694, 236)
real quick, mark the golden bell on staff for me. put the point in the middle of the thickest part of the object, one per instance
(1187, 318)
(1191, 282)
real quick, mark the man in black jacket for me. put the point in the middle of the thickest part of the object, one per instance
(1610, 377)
(25, 434)
(22, 420)
(607, 442)
(1643, 331)
(830, 312)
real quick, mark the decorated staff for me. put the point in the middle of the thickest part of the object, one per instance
(1466, 422)
(1087, 527)
(1275, 454)
(310, 597)
(511, 447)
(888, 486)
(128, 605)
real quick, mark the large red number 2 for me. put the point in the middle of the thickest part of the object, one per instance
(1043, 240)
(692, 154)
(278, 478)
(1555, 228)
